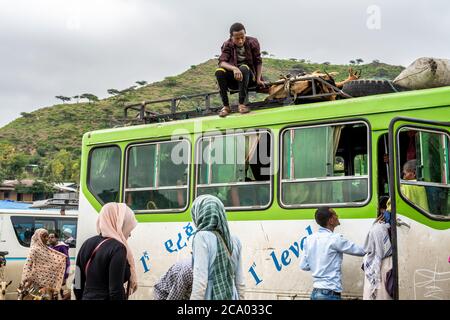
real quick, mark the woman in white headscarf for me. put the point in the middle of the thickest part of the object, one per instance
(105, 262)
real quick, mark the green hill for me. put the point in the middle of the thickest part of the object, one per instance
(44, 135)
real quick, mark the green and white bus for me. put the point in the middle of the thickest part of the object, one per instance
(272, 168)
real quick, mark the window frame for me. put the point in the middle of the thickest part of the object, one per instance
(88, 173)
(188, 183)
(46, 219)
(363, 121)
(206, 135)
(55, 220)
(59, 223)
(23, 244)
(400, 181)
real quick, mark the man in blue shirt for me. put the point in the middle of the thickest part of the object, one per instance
(322, 255)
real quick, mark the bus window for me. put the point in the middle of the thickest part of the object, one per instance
(24, 229)
(67, 231)
(236, 168)
(325, 164)
(157, 176)
(425, 173)
(46, 224)
(104, 173)
(382, 161)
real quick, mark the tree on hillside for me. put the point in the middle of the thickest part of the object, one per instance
(264, 53)
(17, 165)
(40, 187)
(381, 73)
(61, 167)
(326, 63)
(90, 97)
(124, 96)
(352, 61)
(75, 176)
(26, 115)
(63, 98)
(359, 61)
(14, 167)
(77, 97)
(171, 81)
(6, 152)
(128, 93)
(376, 61)
(141, 83)
(127, 90)
(12, 162)
(113, 92)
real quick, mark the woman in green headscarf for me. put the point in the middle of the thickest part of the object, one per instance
(217, 255)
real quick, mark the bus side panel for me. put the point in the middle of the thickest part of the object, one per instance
(271, 252)
(423, 261)
(15, 258)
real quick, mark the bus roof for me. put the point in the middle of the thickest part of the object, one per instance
(28, 212)
(354, 107)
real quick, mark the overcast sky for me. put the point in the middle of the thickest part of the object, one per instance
(67, 47)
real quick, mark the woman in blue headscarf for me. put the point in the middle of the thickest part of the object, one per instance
(217, 258)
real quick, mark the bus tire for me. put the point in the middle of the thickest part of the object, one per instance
(361, 88)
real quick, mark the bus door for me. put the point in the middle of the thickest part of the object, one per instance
(420, 204)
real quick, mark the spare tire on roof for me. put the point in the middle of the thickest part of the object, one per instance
(361, 88)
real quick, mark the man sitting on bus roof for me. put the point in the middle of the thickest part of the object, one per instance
(240, 66)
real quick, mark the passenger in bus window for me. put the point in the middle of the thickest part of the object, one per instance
(416, 194)
(176, 283)
(105, 262)
(217, 269)
(323, 253)
(44, 267)
(377, 263)
(69, 239)
(27, 235)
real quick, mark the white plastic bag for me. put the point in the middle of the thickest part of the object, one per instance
(425, 73)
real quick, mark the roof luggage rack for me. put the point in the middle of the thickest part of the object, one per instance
(60, 201)
(147, 116)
